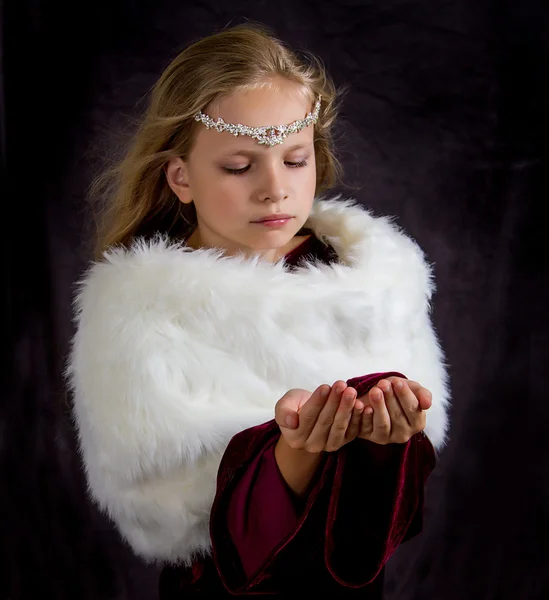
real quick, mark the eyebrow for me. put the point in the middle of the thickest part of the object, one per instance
(257, 152)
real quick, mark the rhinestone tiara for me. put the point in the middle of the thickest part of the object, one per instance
(269, 135)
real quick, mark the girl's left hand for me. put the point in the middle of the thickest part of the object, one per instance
(399, 407)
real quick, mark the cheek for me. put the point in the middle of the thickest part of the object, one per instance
(221, 197)
(308, 185)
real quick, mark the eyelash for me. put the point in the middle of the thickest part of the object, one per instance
(292, 165)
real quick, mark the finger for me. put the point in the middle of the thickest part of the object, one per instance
(423, 395)
(412, 407)
(407, 398)
(354, 424)
(367, 423)
(399, 418)
(321, 430)
(310, 411)
(344, 414)
(425, 398)
(381, 419)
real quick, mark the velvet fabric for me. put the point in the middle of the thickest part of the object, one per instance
(338, 539)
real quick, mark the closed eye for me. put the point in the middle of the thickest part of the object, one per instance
(291, 165)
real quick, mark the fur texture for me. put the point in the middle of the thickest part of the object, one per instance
(176, 351)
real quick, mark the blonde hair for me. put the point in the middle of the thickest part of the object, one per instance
(138, 200)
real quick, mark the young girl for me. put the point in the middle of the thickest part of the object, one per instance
(258, 388)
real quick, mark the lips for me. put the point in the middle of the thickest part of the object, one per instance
(273, 218)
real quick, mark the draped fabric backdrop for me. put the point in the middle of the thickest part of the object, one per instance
(444, 125)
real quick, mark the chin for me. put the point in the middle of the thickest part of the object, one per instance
(273, 239)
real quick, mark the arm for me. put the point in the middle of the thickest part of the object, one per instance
(262, 504)
(262, 509)
(260, 526)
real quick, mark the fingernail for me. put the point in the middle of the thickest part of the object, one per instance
(325, 393)
(368, 410)
(289, 421)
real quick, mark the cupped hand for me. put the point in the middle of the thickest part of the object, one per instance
(324, 420)
(399, 407)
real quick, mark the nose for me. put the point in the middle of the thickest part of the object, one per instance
(273, 185)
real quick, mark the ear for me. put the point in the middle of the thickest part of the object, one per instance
(177, 176)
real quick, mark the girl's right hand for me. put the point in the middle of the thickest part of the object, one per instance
(323, 421)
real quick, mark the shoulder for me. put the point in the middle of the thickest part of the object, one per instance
(375, 246)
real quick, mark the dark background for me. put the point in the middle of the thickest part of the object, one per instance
(445, 125)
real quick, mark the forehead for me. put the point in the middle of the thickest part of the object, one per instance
(278, 104)
(259, 107)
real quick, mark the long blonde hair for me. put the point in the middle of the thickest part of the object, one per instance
(136, 195)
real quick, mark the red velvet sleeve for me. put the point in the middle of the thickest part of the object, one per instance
(236, 534)
(385, 487)
(262, 510)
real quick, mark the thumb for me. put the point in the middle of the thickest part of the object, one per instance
(423, 395)
(286, 417)
(425, 402)
(286, 410)
(290, 419)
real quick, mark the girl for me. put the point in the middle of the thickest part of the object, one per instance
(258, 388)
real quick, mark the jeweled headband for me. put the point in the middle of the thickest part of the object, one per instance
(271, 135)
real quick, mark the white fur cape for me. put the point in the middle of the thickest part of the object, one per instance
(176, 351)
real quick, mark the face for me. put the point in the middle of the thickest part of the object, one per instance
(234, 181)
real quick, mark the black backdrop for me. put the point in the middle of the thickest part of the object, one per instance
(444, 126)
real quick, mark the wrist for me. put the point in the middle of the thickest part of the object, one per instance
(296, 465)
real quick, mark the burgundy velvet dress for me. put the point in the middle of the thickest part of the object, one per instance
(366, 499)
